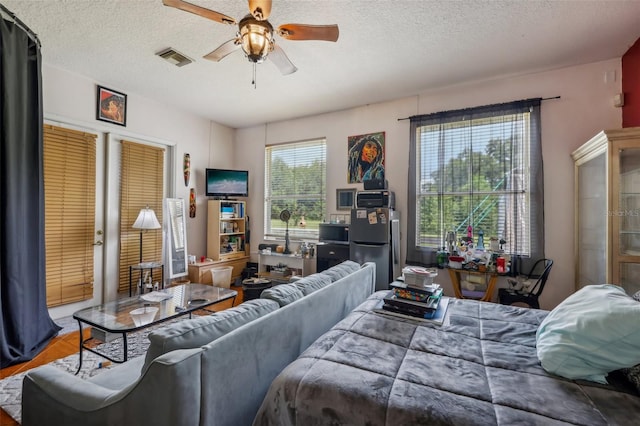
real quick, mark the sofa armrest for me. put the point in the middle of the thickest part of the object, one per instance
(66, 388)
(167, 394)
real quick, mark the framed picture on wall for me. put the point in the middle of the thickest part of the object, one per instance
(111, 106)
(345, 198)
(366, 157)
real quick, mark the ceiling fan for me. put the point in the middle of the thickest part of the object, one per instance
(255, 34)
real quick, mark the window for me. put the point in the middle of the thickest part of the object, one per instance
(477, 170)
(295, 180)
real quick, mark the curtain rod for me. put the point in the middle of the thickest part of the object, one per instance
(21, 24)
(542, 99)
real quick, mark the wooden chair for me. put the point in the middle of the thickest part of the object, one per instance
(538, 275)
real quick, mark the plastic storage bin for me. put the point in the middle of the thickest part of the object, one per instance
(221, 276)
(418, 276)
(180, 281)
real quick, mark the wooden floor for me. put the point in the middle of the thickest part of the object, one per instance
(68, 344)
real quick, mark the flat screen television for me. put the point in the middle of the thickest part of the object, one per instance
(222, 183)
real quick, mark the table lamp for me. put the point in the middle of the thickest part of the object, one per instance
(146, 220)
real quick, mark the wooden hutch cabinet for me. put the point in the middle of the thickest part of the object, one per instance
(607, 209)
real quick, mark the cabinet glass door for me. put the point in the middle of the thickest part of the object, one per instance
(629, 219)
(592, 221)
(629, 213)
(630, 277)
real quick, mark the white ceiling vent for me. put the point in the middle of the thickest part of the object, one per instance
(174, 57)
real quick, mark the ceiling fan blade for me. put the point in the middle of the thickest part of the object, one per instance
(309, 32)
(223, 50)
(280, 59)
(201, 11)
(260, 9)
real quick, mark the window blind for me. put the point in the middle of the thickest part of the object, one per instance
(295, 179)
(69, 192)
(141, 184)
(477, 170)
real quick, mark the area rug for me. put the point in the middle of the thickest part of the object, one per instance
(11, 387)
(68, 325)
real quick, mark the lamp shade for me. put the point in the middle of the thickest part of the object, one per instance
(146, 219)
(256, 38)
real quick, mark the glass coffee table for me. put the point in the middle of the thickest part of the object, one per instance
(138, 312)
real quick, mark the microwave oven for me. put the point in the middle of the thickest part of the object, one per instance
(333, 233)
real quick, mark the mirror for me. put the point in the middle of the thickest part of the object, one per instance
(174, 231)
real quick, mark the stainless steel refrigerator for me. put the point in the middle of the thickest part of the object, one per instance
(374, 236)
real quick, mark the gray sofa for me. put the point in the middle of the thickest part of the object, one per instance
(212, 370)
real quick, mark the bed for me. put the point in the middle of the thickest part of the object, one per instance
(479, 367)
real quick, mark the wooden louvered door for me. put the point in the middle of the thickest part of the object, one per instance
(141, 185)
(73, 235)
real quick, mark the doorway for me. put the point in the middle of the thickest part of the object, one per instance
(104, 238)
(73, 160)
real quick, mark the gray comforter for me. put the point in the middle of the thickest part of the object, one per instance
(478, 368)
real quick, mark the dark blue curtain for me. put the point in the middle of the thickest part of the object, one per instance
(26, 325)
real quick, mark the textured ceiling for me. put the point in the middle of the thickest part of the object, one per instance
(386, 50)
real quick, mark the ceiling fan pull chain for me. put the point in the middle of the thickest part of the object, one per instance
(254, 76)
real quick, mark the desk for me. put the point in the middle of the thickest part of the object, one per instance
(302, 265)
(150, 266)
(479, 278)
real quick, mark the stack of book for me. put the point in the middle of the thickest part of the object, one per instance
(227, 212)
(420, 301)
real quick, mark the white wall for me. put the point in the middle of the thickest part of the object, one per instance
(585, 107)
(70, 99)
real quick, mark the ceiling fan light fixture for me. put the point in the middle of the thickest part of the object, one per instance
(256, 38)
(255, 35)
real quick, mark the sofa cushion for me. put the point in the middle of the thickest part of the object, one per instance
(196, 332)
(591, 333)
(283, 294)
(311, 283)
(120, 376)
(341, 270)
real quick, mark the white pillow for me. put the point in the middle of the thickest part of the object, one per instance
(591, 333)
